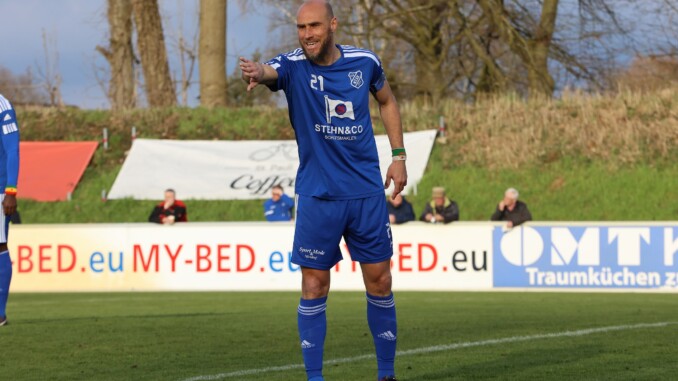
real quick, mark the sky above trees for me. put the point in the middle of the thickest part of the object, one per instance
(76, 27)
(73, 29)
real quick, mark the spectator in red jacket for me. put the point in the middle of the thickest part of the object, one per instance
(169, 211)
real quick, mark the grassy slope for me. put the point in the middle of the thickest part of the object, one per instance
(562, 191)
(175, 336)
(557, 191)
(578, 158)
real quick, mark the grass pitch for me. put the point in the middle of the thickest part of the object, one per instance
(443, 336)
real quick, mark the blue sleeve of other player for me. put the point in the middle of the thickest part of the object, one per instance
(10, 142)
(378, 78)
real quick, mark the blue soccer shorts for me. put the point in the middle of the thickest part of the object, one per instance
(321, 223)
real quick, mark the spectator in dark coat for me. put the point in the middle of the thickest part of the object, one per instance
(399, 210)
(440, 209)
(511, 210)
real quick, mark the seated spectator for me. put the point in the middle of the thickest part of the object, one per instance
(440, 208)
(279, 207)
(399, 210)
(511, 210)
(169, 211)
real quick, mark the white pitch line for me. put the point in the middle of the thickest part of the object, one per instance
(439, 348)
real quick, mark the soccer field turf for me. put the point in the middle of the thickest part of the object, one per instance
(253, 336)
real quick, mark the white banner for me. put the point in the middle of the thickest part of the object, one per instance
(237, 170)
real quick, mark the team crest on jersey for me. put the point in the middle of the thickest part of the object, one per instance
(356, 78)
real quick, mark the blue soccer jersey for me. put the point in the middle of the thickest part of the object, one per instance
(9, 149)
(329, 111)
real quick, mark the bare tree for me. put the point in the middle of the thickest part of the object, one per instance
(188, 54)
(517, 45)
(212, 53)
(424, 25)
(185, 46)
(531, 46)
(49, 73)
(120, 55)
(22, 88)
(158, 84)
(442, 48)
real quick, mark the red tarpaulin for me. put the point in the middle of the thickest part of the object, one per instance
(49, 171)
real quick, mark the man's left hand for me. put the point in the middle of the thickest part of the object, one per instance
(397, 172)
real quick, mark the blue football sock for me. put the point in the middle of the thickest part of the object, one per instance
(5, 279)
(381, 317)
(312, 323)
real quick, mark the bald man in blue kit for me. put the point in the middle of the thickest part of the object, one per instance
(339, 188)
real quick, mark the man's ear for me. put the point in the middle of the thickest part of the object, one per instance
(333, 24)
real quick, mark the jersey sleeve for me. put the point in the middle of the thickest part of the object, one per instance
(281, 65)
(10, 142)
(378, 77)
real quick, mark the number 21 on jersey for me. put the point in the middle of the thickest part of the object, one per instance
(317, 81)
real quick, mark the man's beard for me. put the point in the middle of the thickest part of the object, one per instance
(323, 52)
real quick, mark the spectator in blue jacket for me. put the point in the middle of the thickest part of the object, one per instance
(399, 210)
(279, 207)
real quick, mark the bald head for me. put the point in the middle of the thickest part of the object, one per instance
(316, 5)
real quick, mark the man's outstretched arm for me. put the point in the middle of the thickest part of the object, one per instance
(390, 115)
(256, 73)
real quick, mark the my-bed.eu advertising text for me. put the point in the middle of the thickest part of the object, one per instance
(230, 256)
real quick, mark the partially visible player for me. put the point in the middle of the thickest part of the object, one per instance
(339, 186)
(9, 174)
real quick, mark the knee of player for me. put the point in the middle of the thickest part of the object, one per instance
(313, 288)
(380, 286)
